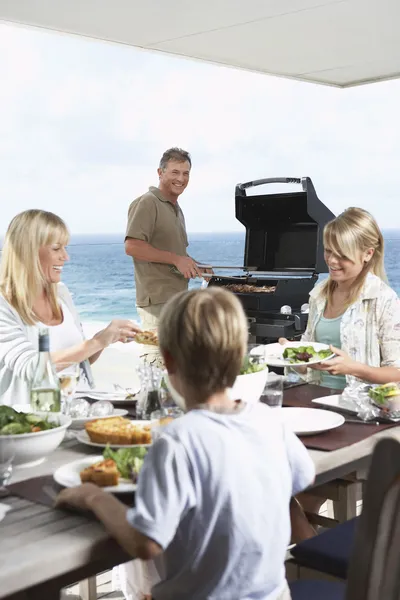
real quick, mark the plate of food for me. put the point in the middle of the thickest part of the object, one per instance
(386, 397)
(117, 432)
(114, 471)
(310, 421)
(297, 354)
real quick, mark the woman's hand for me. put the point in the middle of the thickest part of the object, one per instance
(283, 341)
(119, 330)
(342, 364)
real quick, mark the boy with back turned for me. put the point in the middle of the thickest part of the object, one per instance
(212, 504)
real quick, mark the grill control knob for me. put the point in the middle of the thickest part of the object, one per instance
(305, 308)
(286, 310)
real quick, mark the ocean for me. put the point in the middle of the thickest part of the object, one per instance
(101, 277)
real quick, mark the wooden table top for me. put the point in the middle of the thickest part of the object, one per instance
(43, 549)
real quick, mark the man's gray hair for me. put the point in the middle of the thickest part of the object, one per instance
(176, 154)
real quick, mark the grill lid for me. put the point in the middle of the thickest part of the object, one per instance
(283, 231)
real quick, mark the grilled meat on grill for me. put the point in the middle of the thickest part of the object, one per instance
(245, 288)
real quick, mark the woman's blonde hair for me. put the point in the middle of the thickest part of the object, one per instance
(353, 232)
(205, 332)
(21, 275)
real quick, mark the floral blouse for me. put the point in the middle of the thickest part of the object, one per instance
(369, 329)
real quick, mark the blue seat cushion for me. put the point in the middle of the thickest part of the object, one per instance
(328, 552)
(310, 589)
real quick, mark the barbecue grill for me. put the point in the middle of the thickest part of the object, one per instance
(284, 245)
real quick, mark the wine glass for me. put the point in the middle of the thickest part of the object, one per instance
(68, 377)
(255, 354)
(7, 453)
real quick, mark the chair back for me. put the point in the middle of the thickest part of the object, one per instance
(374, 570)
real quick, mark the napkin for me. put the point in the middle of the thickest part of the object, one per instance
(4, 508)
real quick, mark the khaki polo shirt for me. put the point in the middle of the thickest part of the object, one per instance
(155, 220)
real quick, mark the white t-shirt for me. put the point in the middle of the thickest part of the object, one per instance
(214, 493)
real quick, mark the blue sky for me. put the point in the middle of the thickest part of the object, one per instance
(83, 124)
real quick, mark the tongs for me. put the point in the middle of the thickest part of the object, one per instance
(205, 276)
(241, 268)
(208, 275)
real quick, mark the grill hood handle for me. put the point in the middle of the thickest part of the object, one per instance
(298, 180)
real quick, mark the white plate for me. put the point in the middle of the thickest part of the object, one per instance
(117, 399)
(68, 475)
(349, 407)
(335, 403)
(310, 421)
(273, 354)
(111, 394)
(83, 437)
(78, 423)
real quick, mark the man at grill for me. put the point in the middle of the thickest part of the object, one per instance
(157, 241)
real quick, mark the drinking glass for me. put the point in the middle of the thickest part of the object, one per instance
(7, 453)
(68, 376)
(273, 391)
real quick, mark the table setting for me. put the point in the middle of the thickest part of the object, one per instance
(330, 429)
(323, 422)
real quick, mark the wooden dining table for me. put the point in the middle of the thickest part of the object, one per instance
(43, 549)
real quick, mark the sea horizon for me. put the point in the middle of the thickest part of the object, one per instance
(100, 275)
(77, 238)
(193, 233)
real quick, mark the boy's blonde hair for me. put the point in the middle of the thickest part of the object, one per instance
(205, 332)
(21, 276)
(353, 232)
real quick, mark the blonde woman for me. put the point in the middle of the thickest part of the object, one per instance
(356, 312)
(32, 295)
(212, 506)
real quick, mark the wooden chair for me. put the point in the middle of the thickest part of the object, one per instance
(344, 494)
(88, 588)
(374, 572)
(374, 569)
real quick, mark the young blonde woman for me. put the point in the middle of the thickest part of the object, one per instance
(32, 295)
(211, 509)
(357, 313)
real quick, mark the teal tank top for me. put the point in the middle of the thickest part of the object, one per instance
(327, 331)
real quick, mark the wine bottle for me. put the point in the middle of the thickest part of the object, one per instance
(45, 389)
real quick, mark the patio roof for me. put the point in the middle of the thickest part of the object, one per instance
(334, 42)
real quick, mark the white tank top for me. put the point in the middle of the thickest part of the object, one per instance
(66, 335)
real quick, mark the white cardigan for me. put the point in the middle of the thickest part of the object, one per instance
(19, 346)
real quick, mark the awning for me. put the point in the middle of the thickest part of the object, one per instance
(335, 42)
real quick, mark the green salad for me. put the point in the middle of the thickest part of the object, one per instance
(13, 422)
(303, 354)
(381, 394)
(249, 367)
(129, 461)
